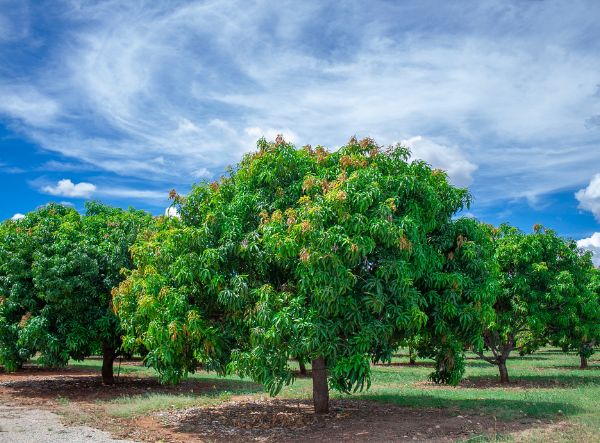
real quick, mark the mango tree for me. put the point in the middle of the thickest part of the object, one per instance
(296, 253)
(541, 277)
(17, 299)
(459, 294)
(577, 326)
(61, 283)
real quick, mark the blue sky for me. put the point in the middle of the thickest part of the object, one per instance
(123, 100)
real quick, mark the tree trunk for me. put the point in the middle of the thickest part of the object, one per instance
(411, 356)
(503, 371)
(108, 357)
(302, 366)
(584, 362)
(320, 387)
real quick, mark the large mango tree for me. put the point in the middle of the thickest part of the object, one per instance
(299, 253)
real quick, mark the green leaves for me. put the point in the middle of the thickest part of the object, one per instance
(300, 252)
(57, 269)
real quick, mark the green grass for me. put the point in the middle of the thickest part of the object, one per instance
(552, 388)
(130, 406)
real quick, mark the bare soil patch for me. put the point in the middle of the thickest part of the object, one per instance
(348, 421)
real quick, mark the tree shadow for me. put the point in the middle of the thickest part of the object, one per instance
(530, 381)
(417, 364)
(591, 367)
(503, 409)
(530, 357)
(82, 385)
(370, 418)
(480, 364)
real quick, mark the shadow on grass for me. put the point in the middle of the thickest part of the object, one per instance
(417, 364)
(591, 367)
(533, 357)
(505, 409)
(531, 381)
(88, 387)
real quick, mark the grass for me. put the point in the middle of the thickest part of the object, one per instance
(546, 385)
(130, 406)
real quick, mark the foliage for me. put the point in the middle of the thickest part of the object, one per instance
(577, 327)
(56, 276)
(303, 252)
(543, 279)
(460, 293)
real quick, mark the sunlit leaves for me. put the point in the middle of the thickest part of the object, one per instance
(302, 252)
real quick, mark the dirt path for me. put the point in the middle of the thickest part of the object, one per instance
(25, 425)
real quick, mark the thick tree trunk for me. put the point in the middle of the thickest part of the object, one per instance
(503, 371)
(302, 366)
(411, 357)
(108, 358)
(584, 363)
(320, 387)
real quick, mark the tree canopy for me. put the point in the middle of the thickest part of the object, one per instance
(544, 282)
(332, 256)
(57, 271)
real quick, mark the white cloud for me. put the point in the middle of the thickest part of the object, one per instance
(66, 188)
(172, 211)
(17, 216)
(451, 159)
(589, 197)
(592, 244)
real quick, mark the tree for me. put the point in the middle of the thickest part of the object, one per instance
(541, 277)
(460, 291)
(111, 232)
(577, 325)
(61, 282)
(17, 246)
(297, 252)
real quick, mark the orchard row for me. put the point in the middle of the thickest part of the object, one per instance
(337, 258)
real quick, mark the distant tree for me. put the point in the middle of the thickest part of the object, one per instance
(541, 277)
(111, 232)
(298, 252)
(60, 283)
(576, 327)
(459, 290)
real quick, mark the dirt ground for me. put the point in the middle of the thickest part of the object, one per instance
(24, 425)
(77, 395)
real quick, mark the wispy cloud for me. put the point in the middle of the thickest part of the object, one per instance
(10, 169)
(173, 93)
